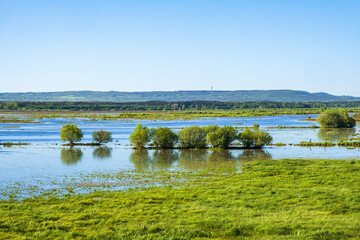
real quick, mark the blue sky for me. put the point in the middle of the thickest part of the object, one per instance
(180, 45)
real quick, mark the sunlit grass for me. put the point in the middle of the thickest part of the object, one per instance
(282, 199)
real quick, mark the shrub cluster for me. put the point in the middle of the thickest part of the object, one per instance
(198, 137)
(334, 119)
(72, 134)
(163, 137)
(254, 139)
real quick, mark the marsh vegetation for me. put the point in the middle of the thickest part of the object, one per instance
(320, 197)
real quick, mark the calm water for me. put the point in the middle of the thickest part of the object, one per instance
(45, 161)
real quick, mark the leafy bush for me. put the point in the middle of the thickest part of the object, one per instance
(221, 137)
(333, 119)
(71, 133)
(192, 137)
(102, 136)
(254, 139)
(163, 137)
(140, 137)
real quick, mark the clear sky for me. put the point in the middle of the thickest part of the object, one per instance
(133, 45)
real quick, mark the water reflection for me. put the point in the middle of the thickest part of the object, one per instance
(102, 152)
(193, 159)
(71, 155)
(163, 159)
(333, 134)
(254, 155)
(141, 159)
(220, 156)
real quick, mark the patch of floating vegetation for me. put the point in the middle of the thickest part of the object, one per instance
(17, 121)
(309, 119)
(293, 127)
(277, 144)
(81, 144)
(315, 144)
(329, 144)
(11, 126)
(349, 143)
(9, 144)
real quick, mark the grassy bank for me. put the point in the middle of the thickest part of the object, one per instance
(284, 199)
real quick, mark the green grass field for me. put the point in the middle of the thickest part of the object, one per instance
(272, 199)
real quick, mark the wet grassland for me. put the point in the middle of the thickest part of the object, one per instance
(282, 199)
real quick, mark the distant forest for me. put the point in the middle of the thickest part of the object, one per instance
(176, 96)
(159, 105)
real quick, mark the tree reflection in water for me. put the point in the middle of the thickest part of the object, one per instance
(220, 156)
(163, 159)
(141, 159)
(335, 134)
(193, 159)
(102, 152)
(254, 155)
(71, 155)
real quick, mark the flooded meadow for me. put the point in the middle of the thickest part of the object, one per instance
(46, 166)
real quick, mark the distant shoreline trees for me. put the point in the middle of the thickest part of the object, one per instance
(173, 105)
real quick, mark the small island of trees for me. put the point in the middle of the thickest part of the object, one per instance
(195, 137)
(72, 134)
(336, 119)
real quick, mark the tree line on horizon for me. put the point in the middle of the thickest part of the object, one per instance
(162, 105)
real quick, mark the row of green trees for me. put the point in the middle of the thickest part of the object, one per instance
(162, 105)
(72, 134)
(198, 137)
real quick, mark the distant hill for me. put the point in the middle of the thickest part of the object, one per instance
(172, 96)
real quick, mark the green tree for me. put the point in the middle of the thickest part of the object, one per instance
(192, 137)
(221, 137)
(140, 137)
(336, 119)
(71, 133)
(210, 128)
(254, 138)
(163, 137)
(102, 136)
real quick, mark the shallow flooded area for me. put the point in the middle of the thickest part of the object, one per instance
(45, 165)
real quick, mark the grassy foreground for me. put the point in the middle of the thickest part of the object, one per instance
(282, 199)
